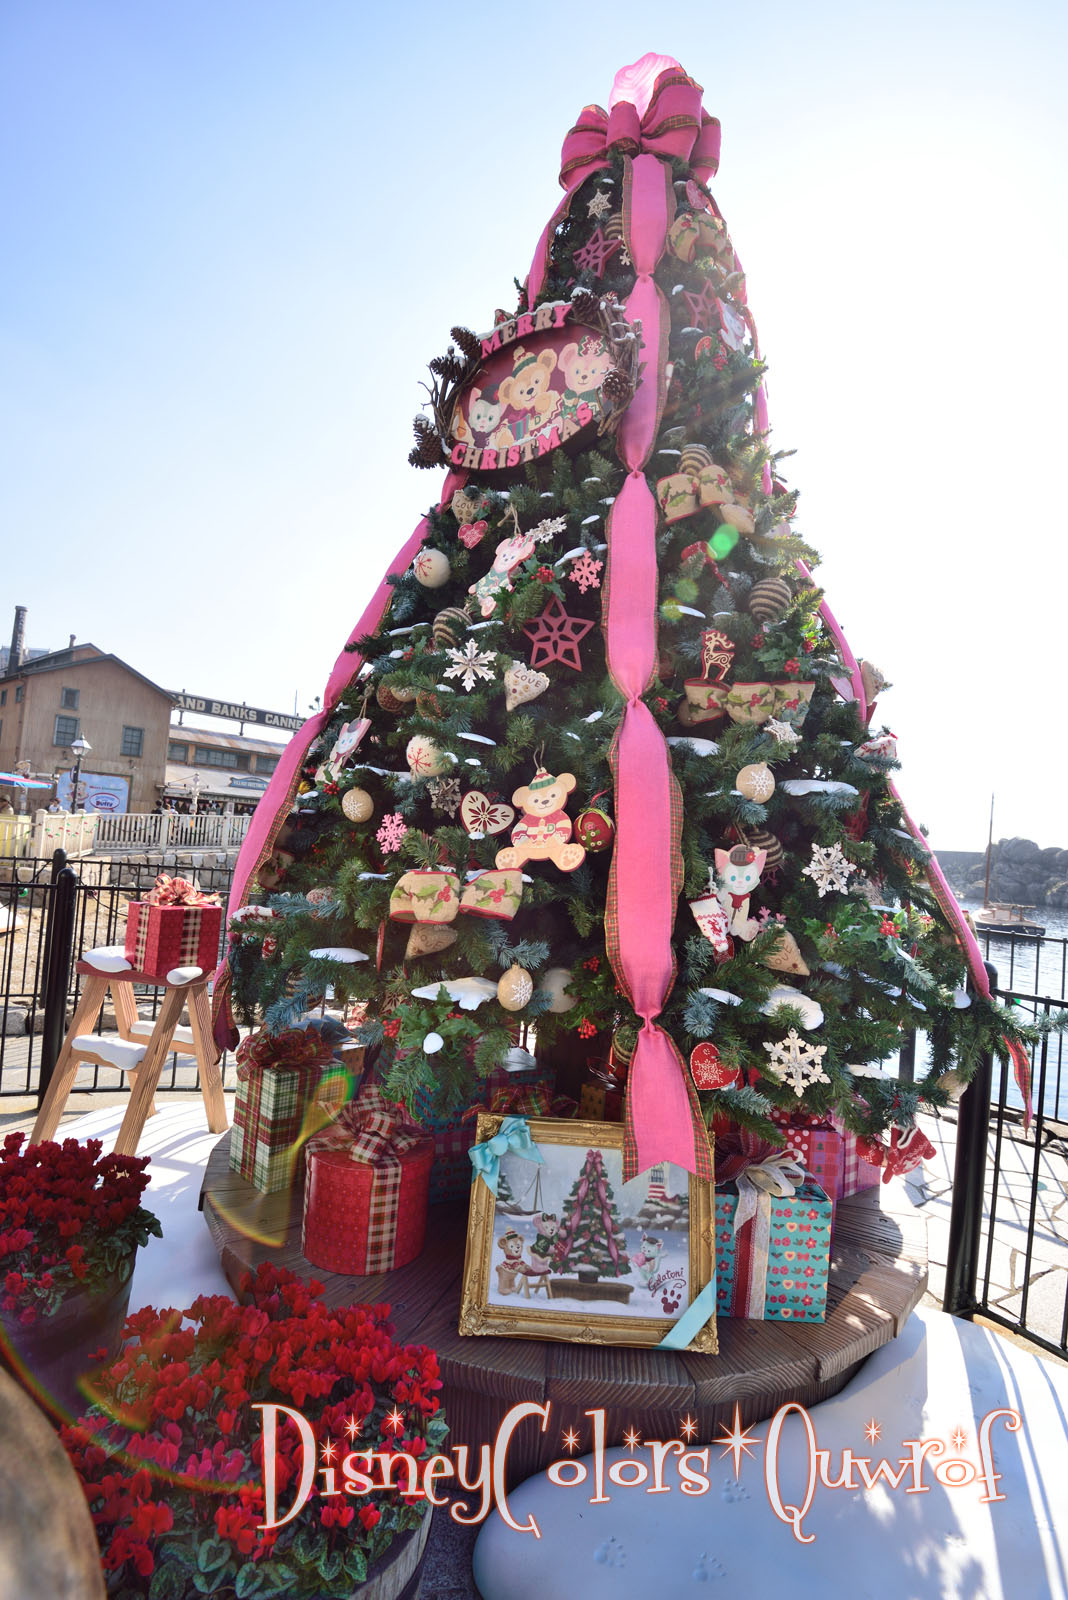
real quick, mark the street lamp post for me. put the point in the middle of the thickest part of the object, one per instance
(81, 747)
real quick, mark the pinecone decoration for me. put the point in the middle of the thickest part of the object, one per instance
(585, 304)
(427, 451)
(469, 343)
(448, 366)
(769, 598)
(616, 387)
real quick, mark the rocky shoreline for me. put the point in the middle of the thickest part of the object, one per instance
(1020, 872)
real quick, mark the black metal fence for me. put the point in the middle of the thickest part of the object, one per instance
(52, 913)
(1010, 1195)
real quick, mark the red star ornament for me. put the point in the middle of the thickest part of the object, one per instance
(703, 307)
(556, 637)
(597, 252)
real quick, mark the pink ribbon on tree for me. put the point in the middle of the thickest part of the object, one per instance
(655, 109)
(663, 1119)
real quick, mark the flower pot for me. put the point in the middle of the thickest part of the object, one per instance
(751, 702)
(396, 1576)
(51, 1355)
(706, 701)
(585, 1275)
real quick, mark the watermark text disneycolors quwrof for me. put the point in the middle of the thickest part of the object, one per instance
(332, 1469)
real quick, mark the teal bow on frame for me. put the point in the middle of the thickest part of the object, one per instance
(514, 1136)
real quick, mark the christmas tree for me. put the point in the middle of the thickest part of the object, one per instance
(591, 1241)
(599, 756)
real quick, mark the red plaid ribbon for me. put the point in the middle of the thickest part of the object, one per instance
(377, 1132)
(516, 1100)
(293, 1048)
(178, 892)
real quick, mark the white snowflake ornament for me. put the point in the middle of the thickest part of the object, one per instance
(470, 664)
(828, 868)
(600, 205)
(796, 1063)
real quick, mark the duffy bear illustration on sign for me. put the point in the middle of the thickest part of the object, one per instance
(528, 392)
(737, 875)
(537, 1270)
(543, 831)
(585, 366)
(510, 1271)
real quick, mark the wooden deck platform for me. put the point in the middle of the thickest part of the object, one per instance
(878, 1275)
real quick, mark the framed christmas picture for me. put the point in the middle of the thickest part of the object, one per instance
(559, 1247)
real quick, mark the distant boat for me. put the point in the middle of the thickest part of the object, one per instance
(998, 916)
(1004, 918)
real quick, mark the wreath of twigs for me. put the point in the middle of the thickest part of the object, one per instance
(453, 371)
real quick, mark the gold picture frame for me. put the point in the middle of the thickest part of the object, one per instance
(502, 1290)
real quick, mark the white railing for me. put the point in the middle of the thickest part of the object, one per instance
(39, 836)
(135, 830)
(15, 835)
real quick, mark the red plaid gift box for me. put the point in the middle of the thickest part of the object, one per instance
(174, 926)
(857, 1173)
(366, 1190)
(816, 1145)
(278, 1078)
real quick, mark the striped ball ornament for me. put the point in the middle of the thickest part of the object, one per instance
(769, 599)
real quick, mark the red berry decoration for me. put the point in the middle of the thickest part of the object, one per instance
(594, 828)
(708, 1071)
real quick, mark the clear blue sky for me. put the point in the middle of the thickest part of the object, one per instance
(236, 232)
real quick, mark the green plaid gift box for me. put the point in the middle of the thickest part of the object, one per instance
(277, 1081)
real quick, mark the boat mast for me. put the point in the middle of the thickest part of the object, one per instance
(989, 843)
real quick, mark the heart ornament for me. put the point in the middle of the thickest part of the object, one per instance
(708, 1070)
(479, 814)
(522, 684)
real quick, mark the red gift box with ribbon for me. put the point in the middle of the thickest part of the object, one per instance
(772, 1235)
(175, 925)
(816, 1145)
(366, 1189)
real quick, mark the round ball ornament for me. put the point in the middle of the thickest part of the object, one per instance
(756, 782)
(449, 627)
(425, 758)
(554, 983)
(694, 459)
(769, 599)
(594, 828)
(394, 697)
(431, 568)
(760, 839)
(357, 805)
(515, 989)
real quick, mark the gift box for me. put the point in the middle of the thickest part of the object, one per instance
(527, 1093)
(173, 926)
(857, 1173)
(279, 1082)
(366, 1190)
(773, 1243)
(598, 1104)
(816, 1145)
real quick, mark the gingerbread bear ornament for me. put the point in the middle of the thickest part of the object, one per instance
(543, 832)
(737, 875)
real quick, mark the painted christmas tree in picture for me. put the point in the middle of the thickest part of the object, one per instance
(591, 1243)
(598, 758)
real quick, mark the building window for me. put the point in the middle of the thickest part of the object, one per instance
(208, 756)
(3, 697)
(266, 763)
(177, 752)
(133, 740)
(68, 699)
(66, 730)
(20, 689)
